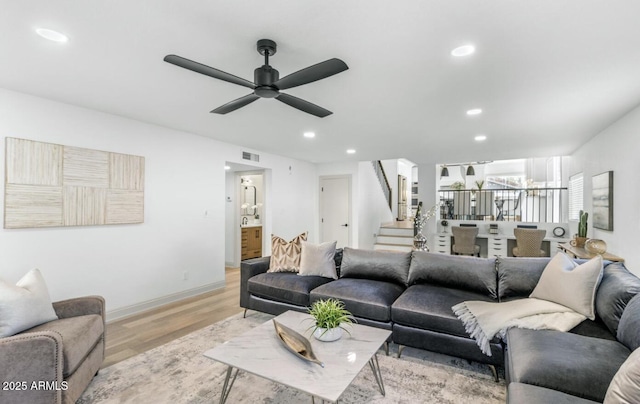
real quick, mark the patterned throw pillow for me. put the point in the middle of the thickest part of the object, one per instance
(285, 255)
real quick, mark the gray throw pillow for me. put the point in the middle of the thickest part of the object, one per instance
(453, 271)
(625, 385)
(518, 276)
(629, 326)
(386, 266)
(617, 288)
(318, 259)
(565, 282)
(25, 304)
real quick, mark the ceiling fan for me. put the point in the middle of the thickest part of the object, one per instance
(267, 82)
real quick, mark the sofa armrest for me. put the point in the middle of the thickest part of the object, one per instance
(248, 269)
(27, 358)
(80, 306)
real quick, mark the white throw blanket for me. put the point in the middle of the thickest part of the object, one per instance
(485, 320)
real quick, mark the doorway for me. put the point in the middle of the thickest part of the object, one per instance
(335, 210)
(247, 212)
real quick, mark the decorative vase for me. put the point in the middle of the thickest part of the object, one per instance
(420, 242)
(595, 246)
(328, 335)
(578, 242)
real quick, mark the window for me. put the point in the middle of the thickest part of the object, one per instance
(575, 196)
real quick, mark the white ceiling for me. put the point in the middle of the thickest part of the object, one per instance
(549, 74)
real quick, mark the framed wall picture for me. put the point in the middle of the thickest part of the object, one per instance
(602, 196)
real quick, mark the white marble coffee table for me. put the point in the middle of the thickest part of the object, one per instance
(260, 352)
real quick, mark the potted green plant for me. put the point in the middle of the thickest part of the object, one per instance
(581, 238)
(458, 185)
(329, 318)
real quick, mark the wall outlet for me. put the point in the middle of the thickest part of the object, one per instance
(185, 275)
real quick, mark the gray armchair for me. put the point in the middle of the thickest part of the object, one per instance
(60, 357)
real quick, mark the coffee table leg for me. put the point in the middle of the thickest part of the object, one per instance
(375, 367)
(226, 387)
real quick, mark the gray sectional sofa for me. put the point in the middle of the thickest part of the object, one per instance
(412, 295)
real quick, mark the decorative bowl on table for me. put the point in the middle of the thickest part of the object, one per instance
(595, 246)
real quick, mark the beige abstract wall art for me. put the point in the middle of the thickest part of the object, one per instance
(48, 185)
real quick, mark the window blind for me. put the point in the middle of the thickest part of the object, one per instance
(576, 196)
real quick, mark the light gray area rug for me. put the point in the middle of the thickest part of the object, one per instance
(179, 373)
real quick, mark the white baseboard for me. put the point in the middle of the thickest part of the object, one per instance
(122, 312)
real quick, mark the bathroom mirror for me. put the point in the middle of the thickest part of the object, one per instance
(249, 200)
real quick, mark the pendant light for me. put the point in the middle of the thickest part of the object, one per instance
(444, 172)
(470, 170)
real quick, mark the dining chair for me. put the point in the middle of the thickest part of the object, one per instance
(464, 240)
(529, 242)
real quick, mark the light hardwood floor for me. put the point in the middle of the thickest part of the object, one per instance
(139, 333)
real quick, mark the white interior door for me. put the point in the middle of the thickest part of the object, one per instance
(335, 203)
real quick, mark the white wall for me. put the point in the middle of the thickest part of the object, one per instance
(135, 266)
(390, 168)
(615, 149)
(369, 207)
(231, 203)
(372, 205)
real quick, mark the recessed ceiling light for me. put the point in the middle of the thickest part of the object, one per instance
(480, 138)
(227, 168)
(475, 111)
(52, 35)
(351, 151)
(309, 135)
(464, 50)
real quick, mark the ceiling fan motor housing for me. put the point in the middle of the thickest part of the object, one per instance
(264, 77)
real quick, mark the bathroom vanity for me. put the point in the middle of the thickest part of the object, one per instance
(251, 242)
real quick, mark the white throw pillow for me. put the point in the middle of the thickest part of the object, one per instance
(625, 385)
(25, 304)
(569, 284)
(317, 259)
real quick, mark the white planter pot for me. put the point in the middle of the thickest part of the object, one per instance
(332, 334)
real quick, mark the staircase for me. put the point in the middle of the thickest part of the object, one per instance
(396, 236)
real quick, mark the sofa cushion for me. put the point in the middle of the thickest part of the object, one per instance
(593, 328)
(318, 260)
(629, 327)
(571, 363)
(285, 255)
(520, 393)
(25, 304)
(625, 386)
(386, 266)
(517, 277)
(429, 307)
(285, 287)
(79, 336)
(617, 287)
(365, 298)
(467, 273)
(569, 284)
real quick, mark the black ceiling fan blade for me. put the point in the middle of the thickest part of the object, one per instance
(303, 105)
(312, 73)
(235, 104)
(207, 70)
